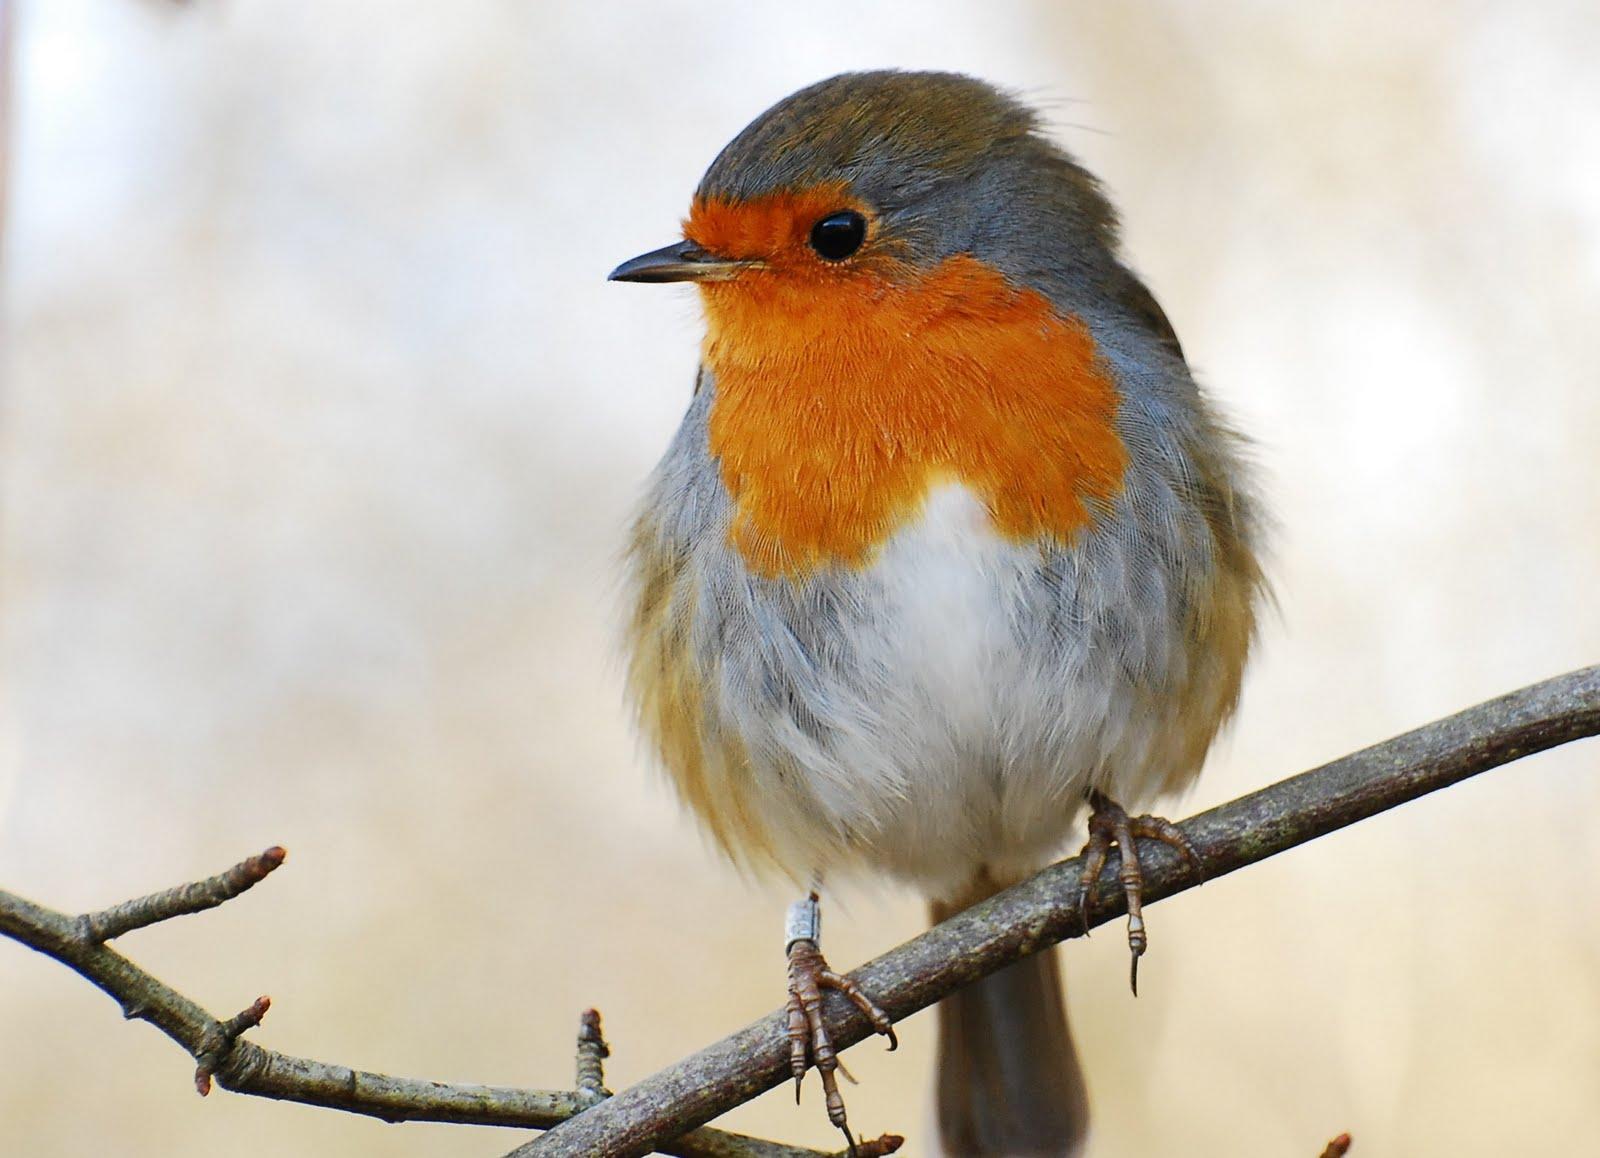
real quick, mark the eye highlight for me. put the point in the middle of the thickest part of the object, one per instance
(838, 235)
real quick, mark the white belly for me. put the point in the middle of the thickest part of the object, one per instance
(947, 747)
(945, 623)
(945, 709)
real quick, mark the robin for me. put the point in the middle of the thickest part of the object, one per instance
(948, 546)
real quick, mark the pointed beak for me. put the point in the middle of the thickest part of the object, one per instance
(684, 261)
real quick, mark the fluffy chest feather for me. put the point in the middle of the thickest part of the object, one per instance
(840, 405)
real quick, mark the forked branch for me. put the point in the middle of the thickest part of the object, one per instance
(237, 1064)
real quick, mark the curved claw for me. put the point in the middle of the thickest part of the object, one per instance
(1095, 851)
(799, 1041)
(1138, 942)
(1110, 825)
(828, 979)
(809, 1043)
(1169, 834)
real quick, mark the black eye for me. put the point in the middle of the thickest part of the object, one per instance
(838, 235)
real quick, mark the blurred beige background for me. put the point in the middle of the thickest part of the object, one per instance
(321, 426)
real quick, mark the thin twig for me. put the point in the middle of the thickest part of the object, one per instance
(183, 900)
(217, 1049)
(592, 1052)
(1044, 910)
(876, 1147)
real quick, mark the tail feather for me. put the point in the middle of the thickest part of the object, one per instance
(1009, 1084)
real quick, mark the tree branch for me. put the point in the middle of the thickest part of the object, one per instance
(662, 1112)
(1044, 910)
(246, 1068)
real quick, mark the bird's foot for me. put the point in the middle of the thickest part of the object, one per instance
(1110, 825)
(809, 1043)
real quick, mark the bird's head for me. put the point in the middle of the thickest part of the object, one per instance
(894, 268)
(872, 180)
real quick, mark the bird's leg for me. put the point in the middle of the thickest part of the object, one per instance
(1108, 825)
(808, 1037)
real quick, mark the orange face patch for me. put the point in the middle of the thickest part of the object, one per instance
(773, 228)
(846, 389)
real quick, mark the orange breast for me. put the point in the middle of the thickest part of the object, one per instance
(844, 393)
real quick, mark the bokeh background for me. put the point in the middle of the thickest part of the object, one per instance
(321, 427)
